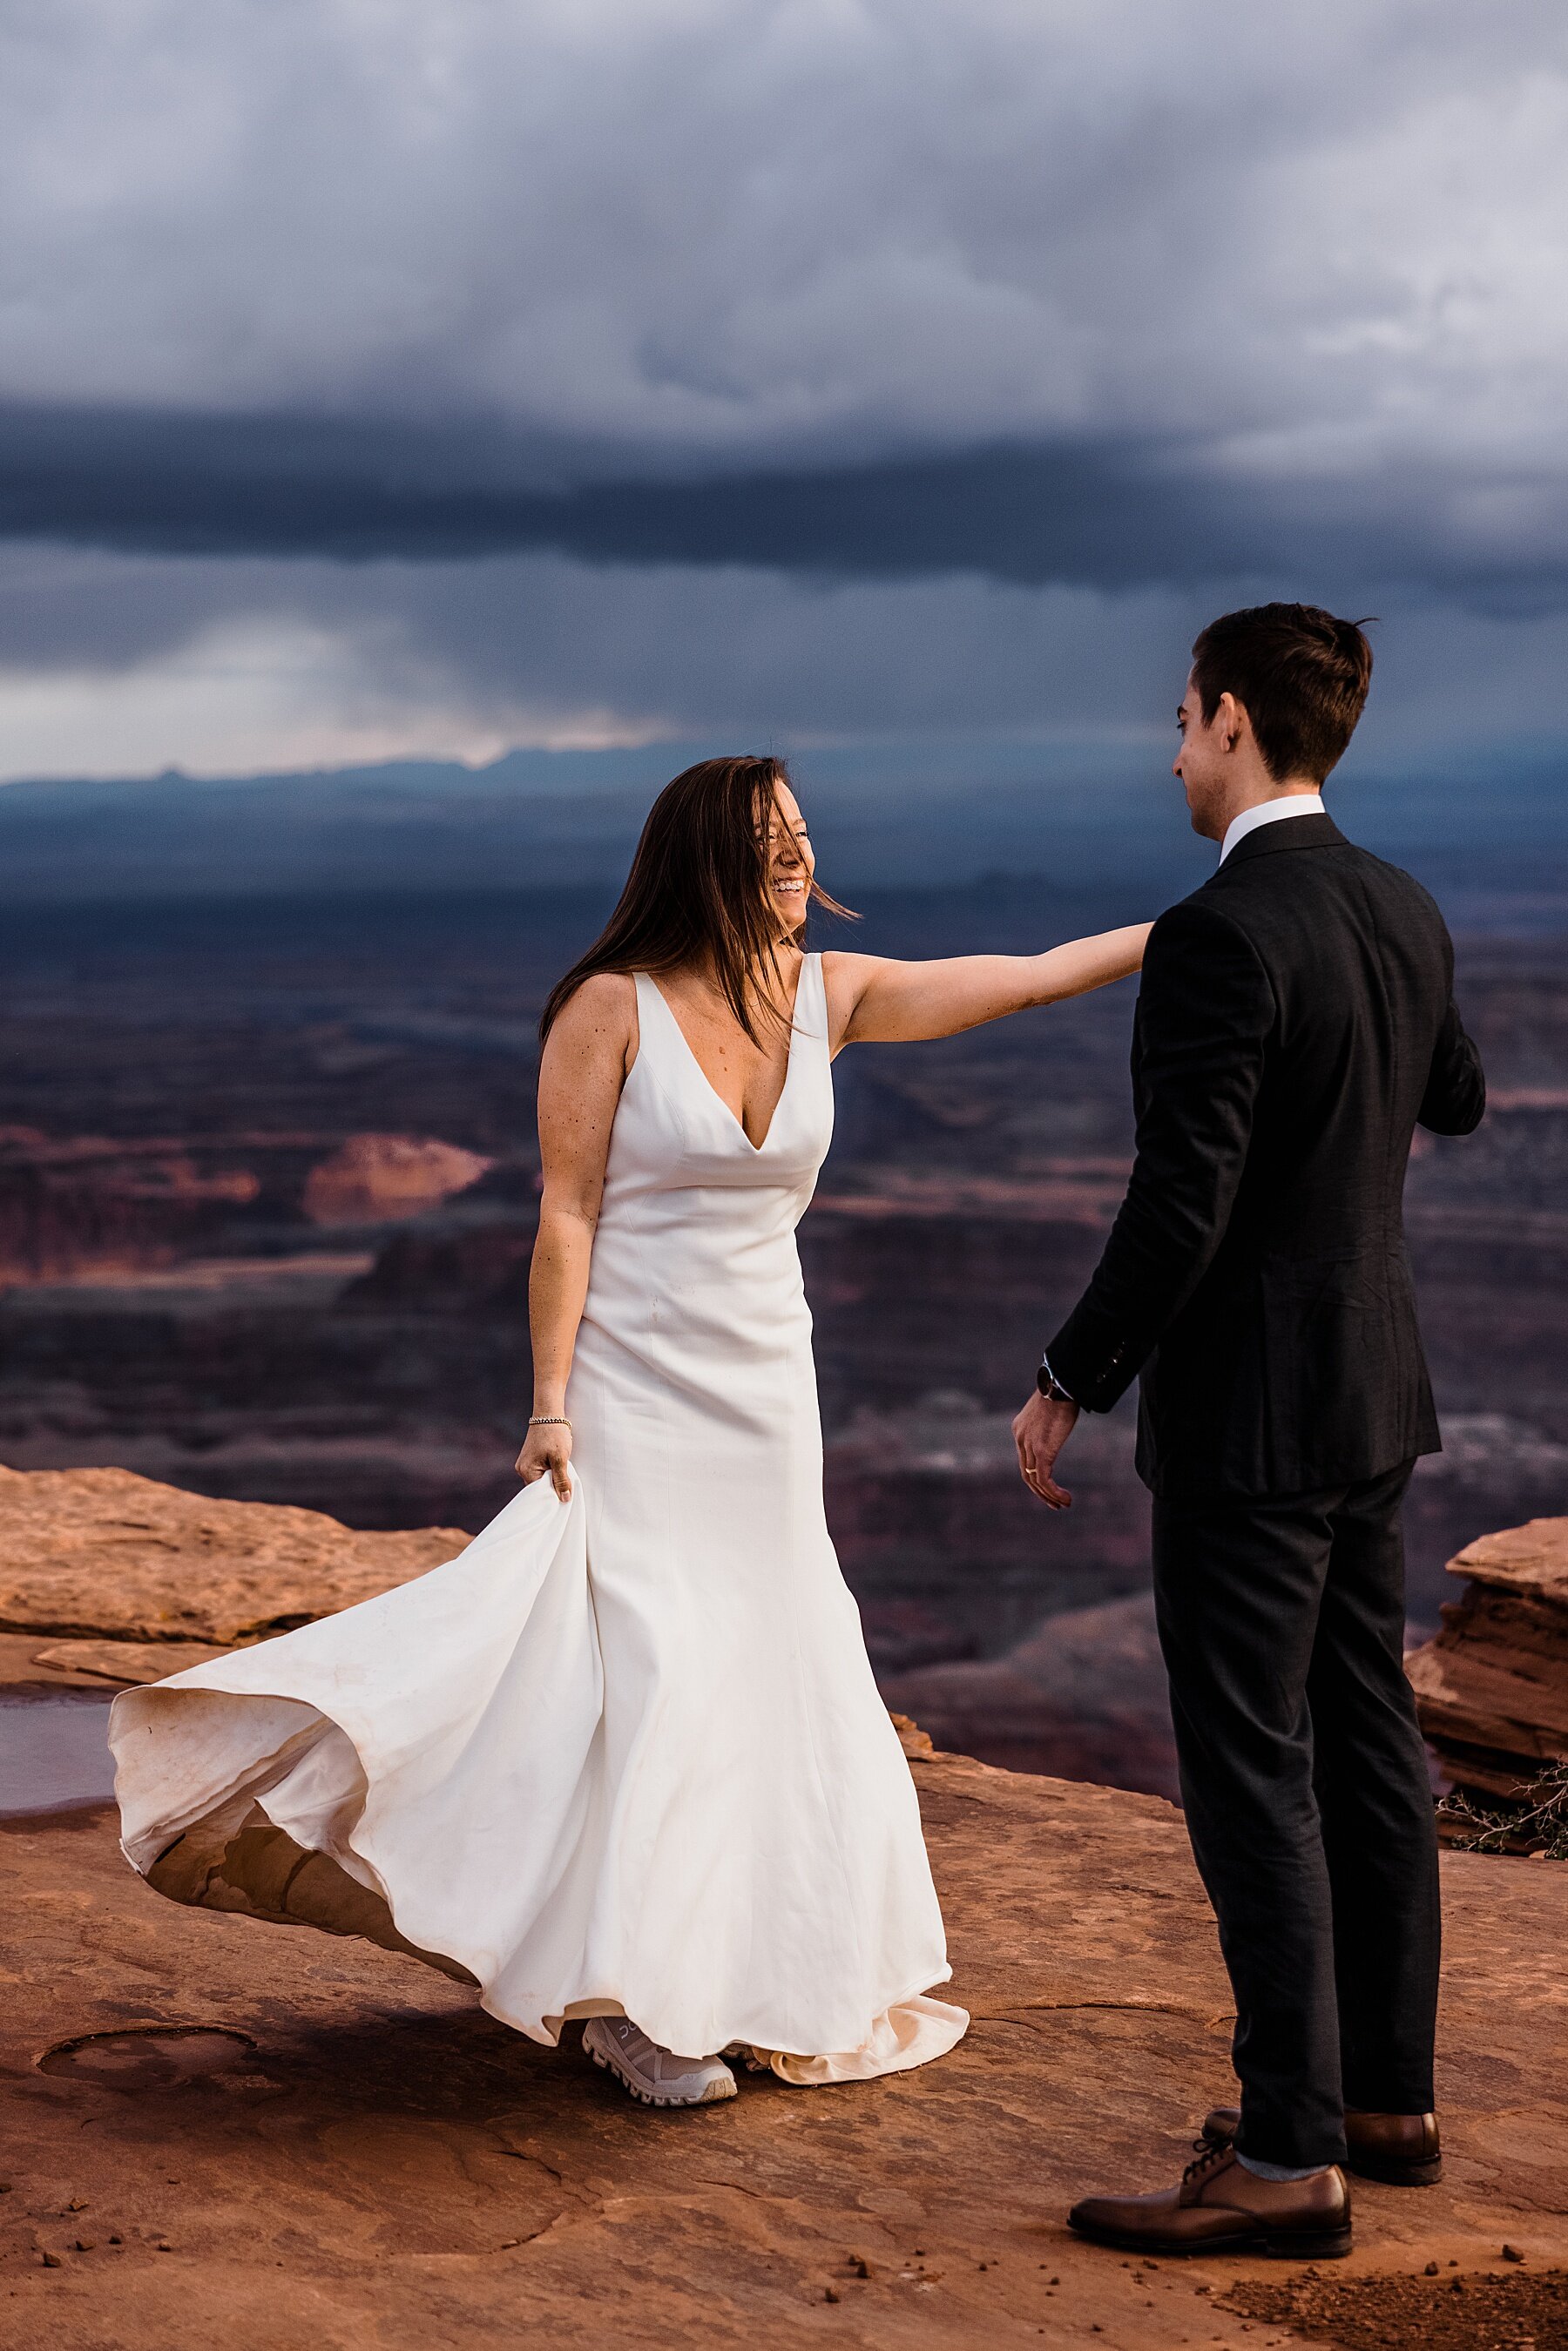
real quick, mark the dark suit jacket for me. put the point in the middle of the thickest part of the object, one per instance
(1296, 1019)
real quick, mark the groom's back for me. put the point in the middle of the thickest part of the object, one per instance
(1296, 1362)
(1359, 966)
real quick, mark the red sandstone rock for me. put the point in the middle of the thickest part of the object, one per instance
(1492, 1687)
(125, 1661)
(339, 2150)
(218, 2131)
(1532, 1560)
(99, 1552)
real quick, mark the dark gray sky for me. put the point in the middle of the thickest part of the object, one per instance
(381, 378)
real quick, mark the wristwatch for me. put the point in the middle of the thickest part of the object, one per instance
(1051, 1387)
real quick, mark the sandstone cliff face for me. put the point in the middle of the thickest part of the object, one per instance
(79, 1204)
(1492, 1688)
(1084, 1696)
(86, 1200)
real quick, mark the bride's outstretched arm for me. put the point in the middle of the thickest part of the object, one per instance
(581, 1072)
(872, 1000)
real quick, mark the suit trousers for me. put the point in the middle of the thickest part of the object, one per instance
(1308, 1801)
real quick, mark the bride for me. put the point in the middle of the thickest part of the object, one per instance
(623, 1759)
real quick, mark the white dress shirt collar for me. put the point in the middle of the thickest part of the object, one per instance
(1269, 812)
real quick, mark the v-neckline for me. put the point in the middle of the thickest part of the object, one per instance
(757, 1149)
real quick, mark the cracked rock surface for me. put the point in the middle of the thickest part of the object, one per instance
(221, 2132)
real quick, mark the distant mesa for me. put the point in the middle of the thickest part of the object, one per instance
(83, 1205)
(381, 1178)
(76, 1202)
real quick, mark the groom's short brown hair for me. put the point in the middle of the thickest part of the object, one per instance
(1300, 674)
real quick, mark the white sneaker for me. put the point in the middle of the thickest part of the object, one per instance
(654, 2075)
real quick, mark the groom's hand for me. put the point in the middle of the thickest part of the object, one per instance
(1039, 1431)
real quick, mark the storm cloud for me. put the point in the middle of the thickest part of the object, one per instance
(1099, 512)
(331, 324)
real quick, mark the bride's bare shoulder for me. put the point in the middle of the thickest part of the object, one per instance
(600, 1016)
(603, 996)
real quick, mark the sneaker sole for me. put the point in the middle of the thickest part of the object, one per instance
(715, 2093)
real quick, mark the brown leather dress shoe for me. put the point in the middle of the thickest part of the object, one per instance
(1220, 2207)
(1402, 2150)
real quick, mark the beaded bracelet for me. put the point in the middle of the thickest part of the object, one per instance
(549, 1420)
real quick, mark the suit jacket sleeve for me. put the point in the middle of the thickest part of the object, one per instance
(1204, 1012)
(1456, 1095)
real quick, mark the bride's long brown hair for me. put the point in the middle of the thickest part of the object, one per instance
(698, 891)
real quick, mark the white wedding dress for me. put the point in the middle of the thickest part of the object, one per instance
(624, 1754)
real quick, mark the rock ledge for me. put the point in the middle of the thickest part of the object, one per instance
(1492, 1687)
(103, 1554)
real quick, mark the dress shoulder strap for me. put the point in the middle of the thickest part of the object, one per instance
(811, 999)
(650, 1005)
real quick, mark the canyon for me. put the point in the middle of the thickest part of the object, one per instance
(268, 1188)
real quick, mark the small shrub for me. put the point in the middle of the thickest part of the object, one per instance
(1534, 1819)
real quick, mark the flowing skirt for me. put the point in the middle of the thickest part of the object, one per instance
(536, 1776)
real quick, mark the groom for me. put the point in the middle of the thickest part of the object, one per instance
(1295, 1022)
